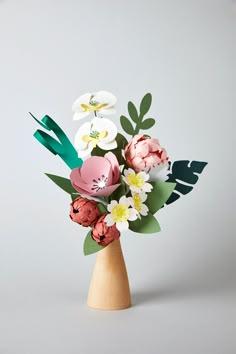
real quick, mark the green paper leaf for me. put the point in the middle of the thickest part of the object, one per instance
(145, 104)
(148, 123)
(63, 183)
(133, 112)
(146, 225)
(185, 174)
(91, 246)
(102, 208)
(159, 195)
(74, 196)
(126, 125)
(121, 141)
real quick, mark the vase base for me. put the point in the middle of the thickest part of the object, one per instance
(109, 308)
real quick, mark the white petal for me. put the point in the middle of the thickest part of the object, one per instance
(135, 189)
(160, 172)
(122, 226)
(110, 127)
(144, 175)
(85, 98)
(85, 152)
(101, 124)
(109, 220)
(80, 115)
(144, 211)
(129, 171)
(147, 187)
(143, 196)
(131, 201)
(111, 205)
(124, 200)
(105, 97)
(83, 130)
(107, 146)
(133, 215)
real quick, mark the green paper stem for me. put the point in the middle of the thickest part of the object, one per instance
(63, 147)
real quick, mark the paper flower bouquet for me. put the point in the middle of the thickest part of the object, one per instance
(115, 184)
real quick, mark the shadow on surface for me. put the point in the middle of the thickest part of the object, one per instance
(181, 291)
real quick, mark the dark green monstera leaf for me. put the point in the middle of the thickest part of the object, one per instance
(185, 174)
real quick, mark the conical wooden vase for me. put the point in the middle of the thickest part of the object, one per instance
(109, 287)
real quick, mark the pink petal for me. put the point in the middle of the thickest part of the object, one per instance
(93, 168)
(106, 191)
(78, 183)
(115, 166)
(154, 145)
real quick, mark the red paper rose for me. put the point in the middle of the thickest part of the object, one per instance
(103, 234)
(84, 211)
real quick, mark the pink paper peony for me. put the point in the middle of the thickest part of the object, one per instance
(143, 152)
(84, 211)
(98, 176)
(103, 234)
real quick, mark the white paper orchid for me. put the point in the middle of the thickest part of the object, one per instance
(137, 181)
(102, 102)
(136, 202)
(99, 132)
(120, 214)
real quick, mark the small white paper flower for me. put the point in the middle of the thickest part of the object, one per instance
(120, 214)
(99, 132)
(159, 172)
(136, 202)
(137, 181)
(102, 102)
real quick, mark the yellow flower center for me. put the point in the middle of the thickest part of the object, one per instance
(137, 202)
(135, 180)
(95, 106)
(120, 213)
(94, 137)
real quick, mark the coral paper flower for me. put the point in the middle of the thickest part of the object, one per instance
(120, 214)
(102, 233)
(99, 132)
(98, 176)
(84, 211)
(102, 102)
(136, 202)
(137, 181)
(143, 152)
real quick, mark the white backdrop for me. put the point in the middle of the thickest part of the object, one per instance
(182, 279)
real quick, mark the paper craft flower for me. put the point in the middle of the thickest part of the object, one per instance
(120, 214)
(104, 234)
(99, 132)
(98, 176)
(159, 172)
(84, 211)
(137, 181)
(102, 102)
(136, 202)
(143, 152)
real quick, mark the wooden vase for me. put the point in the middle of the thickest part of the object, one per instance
(109, 286)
